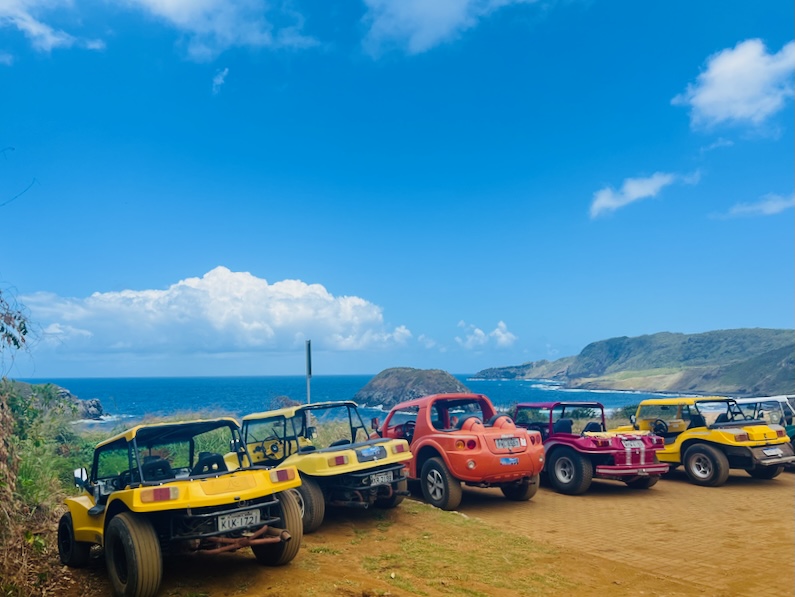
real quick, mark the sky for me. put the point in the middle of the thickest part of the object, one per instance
(197, 187)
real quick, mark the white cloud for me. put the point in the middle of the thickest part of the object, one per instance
(719, 143)
(418, 25)
(25, 16)
(742, 85)
(223, 311)
(768, 205)
(426, 341)
(6, 59)
(219, 79)
(212, 26)
(634, 189)
(476, 338)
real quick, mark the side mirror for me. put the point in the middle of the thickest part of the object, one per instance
(311, 432)
(81, 478)
(634, 420)
(235, 445)
(375, 423)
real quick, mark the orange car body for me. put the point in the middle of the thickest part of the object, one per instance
(478, 445)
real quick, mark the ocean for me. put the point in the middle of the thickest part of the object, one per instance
(129, 399)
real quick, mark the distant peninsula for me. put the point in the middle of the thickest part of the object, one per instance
(399, 384)
(740, 362)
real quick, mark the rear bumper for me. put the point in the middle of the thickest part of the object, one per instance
(642, 470)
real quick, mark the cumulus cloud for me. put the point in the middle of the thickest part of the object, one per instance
(475, 338)
(418, 25)
(219, 79)
(717, 144)
(223, 311)
(634, 189)
(740, 85)
(212, 26)
(26, 16)
(769, 205)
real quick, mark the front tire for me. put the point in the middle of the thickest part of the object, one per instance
(765, 472)
(521, 491)
(569, 472)
(439, 487)
(74, 554)
(643, 482)
(706, 466)
(311, 504)
(132, 554)
(278, 554)
(395, 499)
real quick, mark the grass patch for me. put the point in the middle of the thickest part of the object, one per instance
(321, 549)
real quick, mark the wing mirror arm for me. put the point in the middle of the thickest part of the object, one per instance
(81, 478)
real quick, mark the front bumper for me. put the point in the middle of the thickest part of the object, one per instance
(619, 471)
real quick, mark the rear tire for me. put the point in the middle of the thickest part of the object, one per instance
(439, 487)
(765, 472)
(643, 482)
(132, 554)
(706, 466)
(395, 499)
(569, 472)
(278, 554)
(521, 491)
(74, 554)
(311, 504)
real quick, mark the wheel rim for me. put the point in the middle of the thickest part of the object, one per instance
(435, 484)
(701, 466)
(300, 499)
(564, 469)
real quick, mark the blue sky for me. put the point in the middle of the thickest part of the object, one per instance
(196, 188)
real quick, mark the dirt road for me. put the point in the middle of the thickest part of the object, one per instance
(675, 539)
(738, 539)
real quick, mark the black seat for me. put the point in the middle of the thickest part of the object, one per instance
(592, 427)
(339, 442)
(156, 469)
(697, 421)
(207, 463)
(562, 426)
(722, 418)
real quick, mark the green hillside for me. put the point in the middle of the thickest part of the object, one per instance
(735, 362)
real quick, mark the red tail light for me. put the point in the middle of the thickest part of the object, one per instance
(159, 494)
(471, 444)
(780, 433)
(338, 460)
(280, 475)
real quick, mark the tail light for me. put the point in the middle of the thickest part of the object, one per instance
(780, 433)
(280, 475)
(601, 442)
(338, 460)
(471, 444)
(741, 437)
(399, 448)
(159, 494)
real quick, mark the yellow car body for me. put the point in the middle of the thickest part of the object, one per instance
(353, 471)
(710, 435)
(153, 489)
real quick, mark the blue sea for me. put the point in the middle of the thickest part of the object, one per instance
(132, 398)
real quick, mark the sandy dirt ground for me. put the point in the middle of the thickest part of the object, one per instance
(675, 539)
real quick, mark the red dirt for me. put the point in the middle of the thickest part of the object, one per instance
(673, 539)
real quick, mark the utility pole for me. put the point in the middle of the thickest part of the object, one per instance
(308, 369)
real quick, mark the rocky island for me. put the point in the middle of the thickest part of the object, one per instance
(398, 384)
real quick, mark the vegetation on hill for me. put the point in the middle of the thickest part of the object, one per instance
(398, 384)
(734, 362)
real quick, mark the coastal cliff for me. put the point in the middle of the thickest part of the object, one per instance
(741, 362)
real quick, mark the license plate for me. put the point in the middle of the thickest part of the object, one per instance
(237, 520)
(509, 461)
(381, 478)
(773, 452)
(632, 443)
(505, 443)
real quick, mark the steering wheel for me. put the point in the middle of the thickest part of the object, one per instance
(659, 427)
(408, 430)
(271, 450)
